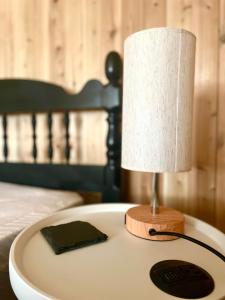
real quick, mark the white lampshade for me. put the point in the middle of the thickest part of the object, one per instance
(157, 100)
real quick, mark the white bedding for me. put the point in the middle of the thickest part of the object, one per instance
(22, 205)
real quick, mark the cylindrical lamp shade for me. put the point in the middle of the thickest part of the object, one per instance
(158, 100)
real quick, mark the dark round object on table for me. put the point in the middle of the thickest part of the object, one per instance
(182, 279)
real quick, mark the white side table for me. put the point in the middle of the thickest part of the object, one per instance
(115, 269)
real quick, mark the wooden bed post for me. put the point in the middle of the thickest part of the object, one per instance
(113, 70)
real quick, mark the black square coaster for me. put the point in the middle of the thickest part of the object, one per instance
(73, 235)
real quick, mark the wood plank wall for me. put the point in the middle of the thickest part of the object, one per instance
(66, 41)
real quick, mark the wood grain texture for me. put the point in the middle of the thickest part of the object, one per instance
(65, 41)
(194, 192)
(220, 170)
(205, 117)
(139, 221)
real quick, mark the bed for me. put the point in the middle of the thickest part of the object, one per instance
(31, 191)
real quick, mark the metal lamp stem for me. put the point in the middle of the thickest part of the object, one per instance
(155, 199)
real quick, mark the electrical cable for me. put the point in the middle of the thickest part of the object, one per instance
(153, 232)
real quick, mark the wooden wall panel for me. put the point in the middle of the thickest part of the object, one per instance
(66, 41)
(194, 192)
(220, 186)
(206, 22)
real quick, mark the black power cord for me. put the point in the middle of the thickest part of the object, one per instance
(153, 232)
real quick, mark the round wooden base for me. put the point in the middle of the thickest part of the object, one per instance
(139, 220)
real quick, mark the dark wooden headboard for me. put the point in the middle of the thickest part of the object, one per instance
(29, 96)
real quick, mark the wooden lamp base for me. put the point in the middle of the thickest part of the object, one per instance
(139, 220)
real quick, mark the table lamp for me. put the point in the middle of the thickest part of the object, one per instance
(157, 118)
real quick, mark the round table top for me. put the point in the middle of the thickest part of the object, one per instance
(115, 269)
